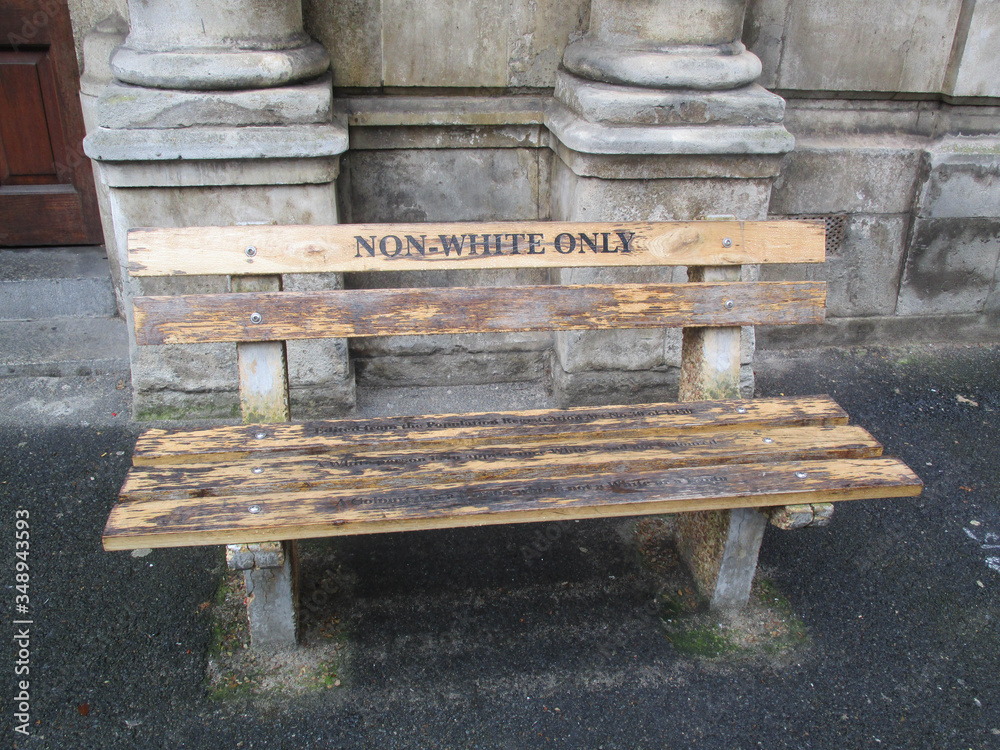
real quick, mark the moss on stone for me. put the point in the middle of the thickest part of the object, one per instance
(166, 413)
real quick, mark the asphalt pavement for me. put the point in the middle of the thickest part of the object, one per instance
(458, 639)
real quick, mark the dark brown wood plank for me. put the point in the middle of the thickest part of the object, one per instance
(37, 211)
(394, 247)
(228, 520)
(414, 466)
(340, 313)
(19, 22)
(56, 216)
(24, 131)
(456, 431)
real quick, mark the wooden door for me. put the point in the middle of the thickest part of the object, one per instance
(47, 194)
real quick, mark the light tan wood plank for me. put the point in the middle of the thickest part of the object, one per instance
(523, 460)
(263, 374)
(456, 431)
(229, 520)
(383, 247)
(710, 357)
(204, 318)
(263, 381)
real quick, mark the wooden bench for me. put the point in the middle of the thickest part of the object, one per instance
(261, 485)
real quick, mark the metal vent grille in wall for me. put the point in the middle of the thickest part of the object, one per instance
(835, 224)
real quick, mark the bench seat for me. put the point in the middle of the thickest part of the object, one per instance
(298, 480)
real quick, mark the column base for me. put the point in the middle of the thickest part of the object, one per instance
(123, 106)
(711, 68)
(578, 134)
(220, 176)
(600, 102)
(212, 69)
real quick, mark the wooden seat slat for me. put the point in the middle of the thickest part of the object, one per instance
(522, 460)
(317, 249)
(449, 431)
(332, 512)
(278, 316)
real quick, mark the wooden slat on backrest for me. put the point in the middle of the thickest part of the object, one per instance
(264, 250)
(392, 312)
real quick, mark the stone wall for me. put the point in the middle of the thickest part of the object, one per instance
(896, 117)
(497, 44)
(439, 159)
(520, 109)
(945, 47)
(917, 187)
(906, 47)
(876, 94)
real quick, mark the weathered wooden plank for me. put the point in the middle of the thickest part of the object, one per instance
(710, 357)
(382, 247)
(333, 512)
(263, 374)
(263, 381)
(521, 460)
(204, 318)
(451, 431)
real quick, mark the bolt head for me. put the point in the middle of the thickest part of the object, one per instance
(768, 440)
(256, 317)
(260, 435)
(727, 242)
(254, 509)
(801, 474)
(250, 251)
(730, 304)
(257, 470)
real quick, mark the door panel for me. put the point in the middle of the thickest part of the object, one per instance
(25, 138)
(47, 192)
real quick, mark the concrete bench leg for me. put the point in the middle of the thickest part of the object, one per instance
(719, 546)
(720, 549)
(271, 573)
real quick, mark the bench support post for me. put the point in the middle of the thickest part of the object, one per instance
(270, 572)
(719, 546)
(272, 581)
(720, 549)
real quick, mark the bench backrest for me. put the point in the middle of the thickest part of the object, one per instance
(258, 311)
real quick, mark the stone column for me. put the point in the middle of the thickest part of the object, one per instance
(206, 45)
(98, 45)
(665, 44)
(657, 117)
(219, 114)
